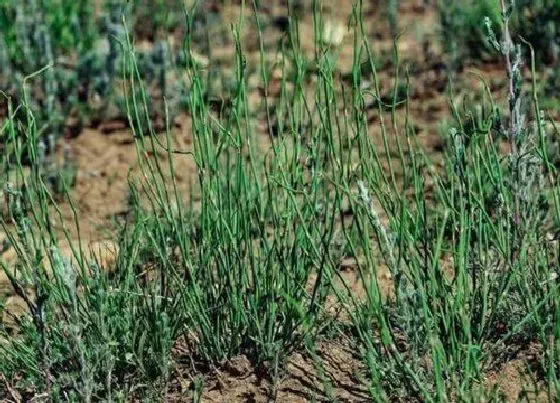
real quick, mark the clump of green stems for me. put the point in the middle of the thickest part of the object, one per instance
(249, 268)
(80, 43)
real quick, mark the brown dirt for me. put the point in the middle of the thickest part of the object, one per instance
(515, 382)
(238, 380)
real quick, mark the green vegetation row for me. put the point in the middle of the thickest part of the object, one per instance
(253, 267)
(80, 39)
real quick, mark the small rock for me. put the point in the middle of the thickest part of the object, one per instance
(14, 309)
(348, 263)
(239, 366)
